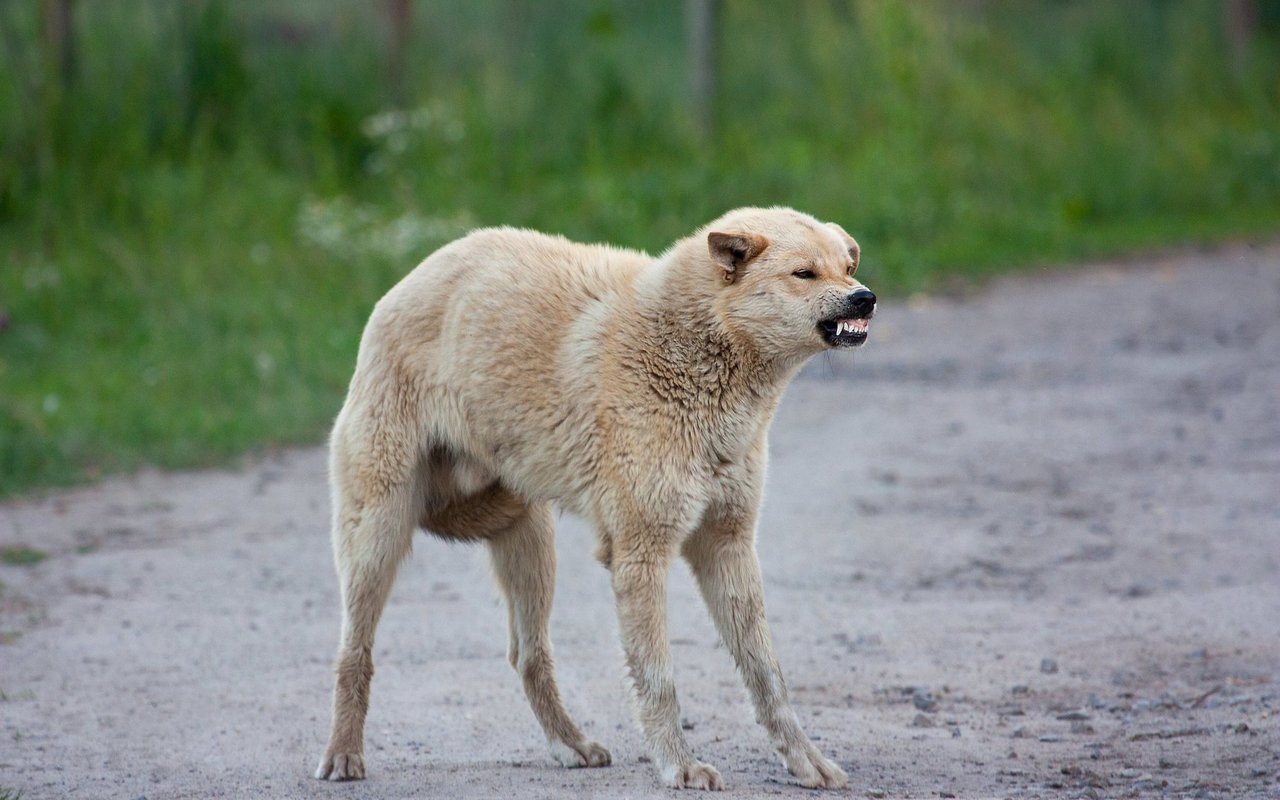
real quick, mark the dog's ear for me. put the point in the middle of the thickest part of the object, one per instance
(850, 244)
(732, 250)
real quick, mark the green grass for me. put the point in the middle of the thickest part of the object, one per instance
(21, 556)
(193, 233)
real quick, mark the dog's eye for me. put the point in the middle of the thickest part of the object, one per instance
(852, 269)
(805, 274)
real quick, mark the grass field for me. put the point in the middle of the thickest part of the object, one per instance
(193, 230)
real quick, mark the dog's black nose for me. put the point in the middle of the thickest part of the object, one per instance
(862, 303)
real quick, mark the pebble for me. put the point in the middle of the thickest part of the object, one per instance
(1020, 688)
(922, 721)
(923, 700)
(1048, 665)
(1071, 716)
(1050, 738)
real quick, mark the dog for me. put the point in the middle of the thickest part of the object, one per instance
(512, 371)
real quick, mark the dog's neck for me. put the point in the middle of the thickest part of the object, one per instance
(689, 362)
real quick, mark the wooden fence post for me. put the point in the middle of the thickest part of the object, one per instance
(1240, 23)
(701, 30)
(58, 37)
(399, 25)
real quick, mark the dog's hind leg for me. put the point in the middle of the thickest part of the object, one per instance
(524, 562)
(373, 523)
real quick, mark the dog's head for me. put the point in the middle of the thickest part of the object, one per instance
(787, 280)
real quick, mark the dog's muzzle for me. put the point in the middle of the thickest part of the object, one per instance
(849, 326)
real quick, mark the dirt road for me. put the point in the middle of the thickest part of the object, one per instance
(1025, 544)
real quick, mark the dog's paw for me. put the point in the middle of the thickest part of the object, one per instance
(814, 771)
(341, 767)
(693, 776)
(582, 754)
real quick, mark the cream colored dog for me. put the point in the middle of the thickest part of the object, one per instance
(512, 371)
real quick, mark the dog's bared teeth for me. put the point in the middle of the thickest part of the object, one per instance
(841, 325)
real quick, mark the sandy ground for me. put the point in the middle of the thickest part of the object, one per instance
(1026, 544)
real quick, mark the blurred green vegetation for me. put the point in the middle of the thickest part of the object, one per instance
(194, 228)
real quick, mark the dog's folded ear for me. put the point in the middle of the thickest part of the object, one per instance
(849, 243)
(732, 250)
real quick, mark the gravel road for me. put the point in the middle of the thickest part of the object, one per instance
(1025, 544)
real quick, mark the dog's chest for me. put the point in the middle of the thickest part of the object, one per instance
(732, 449)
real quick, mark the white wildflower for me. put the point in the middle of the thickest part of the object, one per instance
(358, 230)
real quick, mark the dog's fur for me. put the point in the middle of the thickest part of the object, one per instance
(513, 370)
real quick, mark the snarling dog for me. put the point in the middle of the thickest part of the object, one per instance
(512, 371)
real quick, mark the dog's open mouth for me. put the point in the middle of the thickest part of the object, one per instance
(844, 332)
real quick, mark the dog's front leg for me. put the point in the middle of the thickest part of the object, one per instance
(722, 556)
(640, 587)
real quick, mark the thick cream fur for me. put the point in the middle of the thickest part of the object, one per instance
(512, 371)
